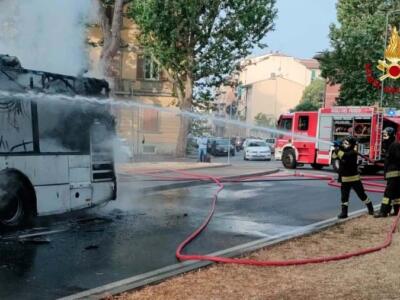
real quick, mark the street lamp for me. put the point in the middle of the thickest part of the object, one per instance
(388, 14)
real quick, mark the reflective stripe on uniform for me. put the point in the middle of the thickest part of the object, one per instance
(392, 174)
(396, 201)
(351, 178)
(366, 201)
(385, 200)
(345, 203)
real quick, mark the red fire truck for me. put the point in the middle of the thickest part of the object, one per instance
(312, 134)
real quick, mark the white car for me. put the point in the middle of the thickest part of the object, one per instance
(257, 149)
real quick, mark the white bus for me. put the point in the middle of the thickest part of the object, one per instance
(55, 155)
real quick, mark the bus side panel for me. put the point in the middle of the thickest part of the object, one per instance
(52, 199)
(103, 191)
(41, 170)
(49, 176)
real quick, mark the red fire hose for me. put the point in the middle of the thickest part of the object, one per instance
(252, 262)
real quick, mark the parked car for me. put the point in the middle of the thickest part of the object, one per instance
(209, 144)
(257, 150)
(221, 146)
(271, 143)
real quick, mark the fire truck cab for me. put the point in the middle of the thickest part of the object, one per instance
(311, 135)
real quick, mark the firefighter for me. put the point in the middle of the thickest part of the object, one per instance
(392, 176)
(349, 175)
(388, 138)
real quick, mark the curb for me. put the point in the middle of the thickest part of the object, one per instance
(159, 275)
(184, 184)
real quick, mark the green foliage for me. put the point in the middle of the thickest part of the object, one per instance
(306, 105)
(200, 41)
(356, 41)
(314, 92)
(263, 120)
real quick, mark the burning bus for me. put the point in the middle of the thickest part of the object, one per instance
(56, 153)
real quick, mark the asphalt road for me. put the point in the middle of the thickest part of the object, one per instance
(139, 233)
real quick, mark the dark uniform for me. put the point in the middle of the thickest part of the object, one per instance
(349, 176)
(392, 176)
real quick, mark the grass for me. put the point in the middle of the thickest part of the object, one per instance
(373, 276)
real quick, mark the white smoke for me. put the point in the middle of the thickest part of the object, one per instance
(48, 35)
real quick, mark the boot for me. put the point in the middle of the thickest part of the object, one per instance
(396, 208)
(343, 214)
(370, 208)
(383, 212)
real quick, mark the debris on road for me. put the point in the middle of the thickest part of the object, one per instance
(35, 240)
(92, 247)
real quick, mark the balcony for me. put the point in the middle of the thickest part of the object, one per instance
(129, 87)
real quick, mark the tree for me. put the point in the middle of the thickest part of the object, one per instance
(357, 41)
(111, 16)
(314, 92)
(263, 120)
(306, 105)
(312, 97)
(198, 43)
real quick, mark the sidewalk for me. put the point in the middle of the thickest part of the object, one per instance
(144, 175)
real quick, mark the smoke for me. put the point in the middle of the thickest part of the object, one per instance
(48, 35)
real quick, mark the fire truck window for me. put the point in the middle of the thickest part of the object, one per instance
(285, 124)
(303, 123)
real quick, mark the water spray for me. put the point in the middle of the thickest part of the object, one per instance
(133, 104)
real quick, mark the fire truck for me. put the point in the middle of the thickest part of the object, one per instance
(311, 135)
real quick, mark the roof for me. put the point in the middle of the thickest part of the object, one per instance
(311, 64)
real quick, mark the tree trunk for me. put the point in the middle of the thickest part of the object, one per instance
(111, 24)
(185, 105)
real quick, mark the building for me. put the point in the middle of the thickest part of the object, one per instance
(138, 79)
(332, 93)
(273, 84)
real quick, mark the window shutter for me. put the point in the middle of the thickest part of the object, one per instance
(140, 67)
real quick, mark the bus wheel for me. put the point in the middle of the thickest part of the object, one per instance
(289, 159)
(317, 166)
(14, 211)
(336, 165)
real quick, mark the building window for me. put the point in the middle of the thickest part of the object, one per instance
(313, 75)
(150, 120)
(151, 70)
(303, 123)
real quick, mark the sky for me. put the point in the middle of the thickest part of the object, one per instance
(301, 27)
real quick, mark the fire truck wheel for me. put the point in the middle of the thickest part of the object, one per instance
(335, 164)
(317, 166)
(14, 197)
(289, 159)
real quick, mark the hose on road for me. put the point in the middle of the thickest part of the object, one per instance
(373, 187)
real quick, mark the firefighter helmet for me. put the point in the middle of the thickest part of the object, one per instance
(388, 133)
(349, 142)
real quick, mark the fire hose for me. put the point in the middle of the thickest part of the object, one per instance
(243, 179)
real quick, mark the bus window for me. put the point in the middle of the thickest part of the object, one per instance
(16, 133)
(63, 127)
